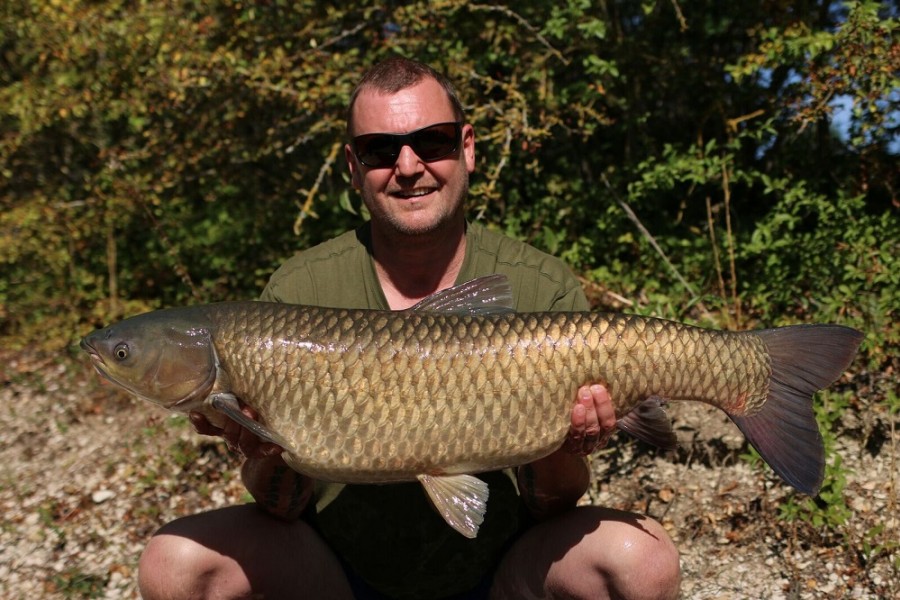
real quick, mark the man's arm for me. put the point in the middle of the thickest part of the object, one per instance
(554, 484)
(277, 488)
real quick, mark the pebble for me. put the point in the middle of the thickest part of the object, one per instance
(101, 496)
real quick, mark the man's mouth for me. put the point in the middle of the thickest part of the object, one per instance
(413, 194)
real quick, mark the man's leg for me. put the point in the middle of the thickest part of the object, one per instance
(591, 552)
(239, 552)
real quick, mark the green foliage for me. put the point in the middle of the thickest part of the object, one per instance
(877, 543)
(829, 257)
(857, 61)
(74, 583)
(157, 154)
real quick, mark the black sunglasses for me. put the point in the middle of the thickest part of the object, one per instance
(380, 150)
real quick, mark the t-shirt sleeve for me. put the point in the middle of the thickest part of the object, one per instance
(571, 298)
(540, 282)
(336, 273)
(291, 283)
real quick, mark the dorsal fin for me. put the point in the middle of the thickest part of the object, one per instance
(480, 296)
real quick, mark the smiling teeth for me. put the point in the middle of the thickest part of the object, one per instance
(414, 193)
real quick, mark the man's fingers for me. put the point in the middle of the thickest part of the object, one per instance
(269, 449)
(237, 438)
(202, 425)
(591, 416)
(593, 420)
(579, 413)
(606, 413)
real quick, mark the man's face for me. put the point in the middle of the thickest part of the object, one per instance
(411, 197)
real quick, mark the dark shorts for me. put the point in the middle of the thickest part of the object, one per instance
(481, 591)
(363, 591)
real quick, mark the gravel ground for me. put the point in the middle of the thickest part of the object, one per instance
(87, 475)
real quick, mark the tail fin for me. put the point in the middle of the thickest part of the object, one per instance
(804, 359)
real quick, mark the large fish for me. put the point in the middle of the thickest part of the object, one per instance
(460, 384)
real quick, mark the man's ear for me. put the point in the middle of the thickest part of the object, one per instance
(468, 144)
(355, 175)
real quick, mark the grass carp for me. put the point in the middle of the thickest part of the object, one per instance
(460, 384)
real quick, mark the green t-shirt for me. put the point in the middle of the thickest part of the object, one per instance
(389, 534)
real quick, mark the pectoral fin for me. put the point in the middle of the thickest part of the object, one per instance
(649, 423)
(228, 404)
(460, 499)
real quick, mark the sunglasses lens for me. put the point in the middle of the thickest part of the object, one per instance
(436, 141)
(377, 149)
(429, 143)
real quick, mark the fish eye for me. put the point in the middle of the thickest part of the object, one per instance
(121, 351)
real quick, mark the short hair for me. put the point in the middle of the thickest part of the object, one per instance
(398, 73)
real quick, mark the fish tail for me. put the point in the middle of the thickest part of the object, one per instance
(804, 359)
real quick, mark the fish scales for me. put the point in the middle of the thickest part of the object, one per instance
(365, 396)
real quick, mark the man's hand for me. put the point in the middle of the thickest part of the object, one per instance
(237, 438)
(593, 421)
(554, 484)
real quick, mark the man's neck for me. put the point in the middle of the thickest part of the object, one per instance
(411, 268)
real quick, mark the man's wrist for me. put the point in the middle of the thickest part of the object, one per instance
(554, 483)
(276, 488)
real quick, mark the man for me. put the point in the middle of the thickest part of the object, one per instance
(317, 540)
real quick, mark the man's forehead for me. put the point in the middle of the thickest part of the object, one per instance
(424, 103)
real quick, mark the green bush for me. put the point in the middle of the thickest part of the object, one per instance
(679, 157)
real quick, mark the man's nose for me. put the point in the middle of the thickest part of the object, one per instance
(408, 162)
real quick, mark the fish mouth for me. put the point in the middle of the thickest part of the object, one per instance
(96, 359)
(86, 346)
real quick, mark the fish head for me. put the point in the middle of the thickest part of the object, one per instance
(165, 357)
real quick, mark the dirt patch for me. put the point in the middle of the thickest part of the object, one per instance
(87, 474)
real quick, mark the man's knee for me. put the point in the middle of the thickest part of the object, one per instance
(630, 556)
(236, 552)
(648, 565)
(593, 552)
(173, 567)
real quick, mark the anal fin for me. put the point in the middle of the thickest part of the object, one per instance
(460, 499)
